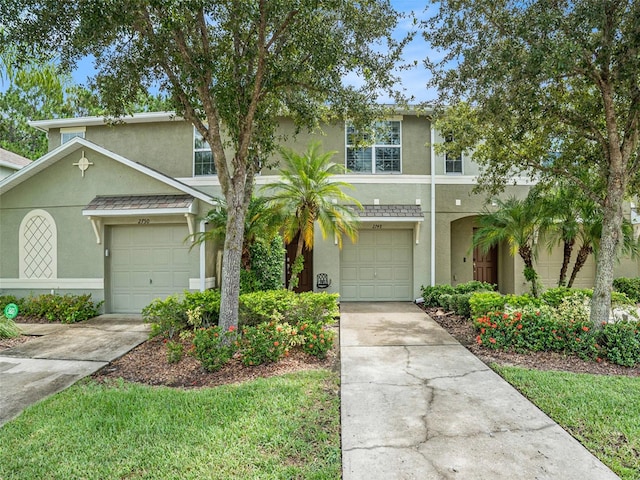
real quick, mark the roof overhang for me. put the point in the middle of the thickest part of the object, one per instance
(142, 206)
(148, 117)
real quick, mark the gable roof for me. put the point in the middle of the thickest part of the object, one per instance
(77, 143)
(12, 160)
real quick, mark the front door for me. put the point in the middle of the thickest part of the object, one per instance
(485, 265)
(305, 279)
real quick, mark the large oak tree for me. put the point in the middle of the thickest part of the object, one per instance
(232, 67)
(552, 89)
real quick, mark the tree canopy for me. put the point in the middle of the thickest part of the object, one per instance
(549, 89)
(230, 67)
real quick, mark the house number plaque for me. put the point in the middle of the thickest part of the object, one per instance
(144, 221)
(376, 226)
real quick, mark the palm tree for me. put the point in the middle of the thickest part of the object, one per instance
(306, 193)
(517, 222)
(262, 223)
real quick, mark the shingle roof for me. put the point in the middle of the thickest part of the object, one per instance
(13, 158)
(392, 211)
(140, 202)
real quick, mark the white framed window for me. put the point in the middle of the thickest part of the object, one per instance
(203, 163)
(38, 245)
(66, 134)
(452, 161)
(379, 152)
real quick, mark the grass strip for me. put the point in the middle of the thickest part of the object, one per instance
(278, 428)
(602, 412)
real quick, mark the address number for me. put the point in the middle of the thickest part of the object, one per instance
(376, 226)
(144, 221)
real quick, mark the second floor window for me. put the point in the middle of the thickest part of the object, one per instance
(453, 161)
(67, 134)
(202, 156)
(379, 152)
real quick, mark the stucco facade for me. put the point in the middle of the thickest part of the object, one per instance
(128, 251)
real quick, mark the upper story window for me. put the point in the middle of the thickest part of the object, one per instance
(66, 134)
(381, 151)
(453, 161)
(202, 156)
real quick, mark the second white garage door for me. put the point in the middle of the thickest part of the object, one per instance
(379, 267)
(147, 262)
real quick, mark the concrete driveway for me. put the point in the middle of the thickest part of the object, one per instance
(418, 405)
(62, 355)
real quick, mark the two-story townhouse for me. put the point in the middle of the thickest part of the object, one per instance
(110, 208)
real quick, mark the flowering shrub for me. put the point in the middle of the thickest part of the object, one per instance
(213, 347)
(621, 342)
(536, 329)
(266, 342)
(316, 340)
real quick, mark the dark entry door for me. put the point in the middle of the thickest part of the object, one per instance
(485, 265)
(305, 282)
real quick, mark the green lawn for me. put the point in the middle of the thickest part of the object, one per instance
(283, 427)
(602, 412)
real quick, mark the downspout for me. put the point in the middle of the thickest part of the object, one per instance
(203, 258)
(433, 207)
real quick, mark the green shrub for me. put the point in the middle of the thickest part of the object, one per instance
(266, 342)
(167, 317)
(317, 341)
(459, 304)
(249, 282)
(259, 307)
(267, 261)
(555, 296)
(213, 347)
(294, 308)
(61, 308)
(204, 308)
(574, 308)
(431, 294)
(7, 299)
(629, 286)
(475, 286)
(8, 328)
(481, 303)
(620, 342)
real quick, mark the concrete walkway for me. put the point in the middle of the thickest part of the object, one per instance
(418, 405)
(62, 355)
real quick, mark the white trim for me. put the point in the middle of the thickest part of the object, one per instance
(202, 286)
(53, 283)
(45, 125)
(138, 212)
(432, 249)
(195, 283)
(391, 219)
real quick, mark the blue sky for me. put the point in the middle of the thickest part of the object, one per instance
(413, 80)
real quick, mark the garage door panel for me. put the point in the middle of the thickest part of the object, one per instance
(378, 267)
(147, 262)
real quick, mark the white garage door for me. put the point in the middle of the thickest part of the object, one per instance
(379, 267)
(147, 262)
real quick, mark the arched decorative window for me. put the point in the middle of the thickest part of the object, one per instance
(38, 246)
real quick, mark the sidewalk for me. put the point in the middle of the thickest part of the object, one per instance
(418, 405)
(62, 355)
